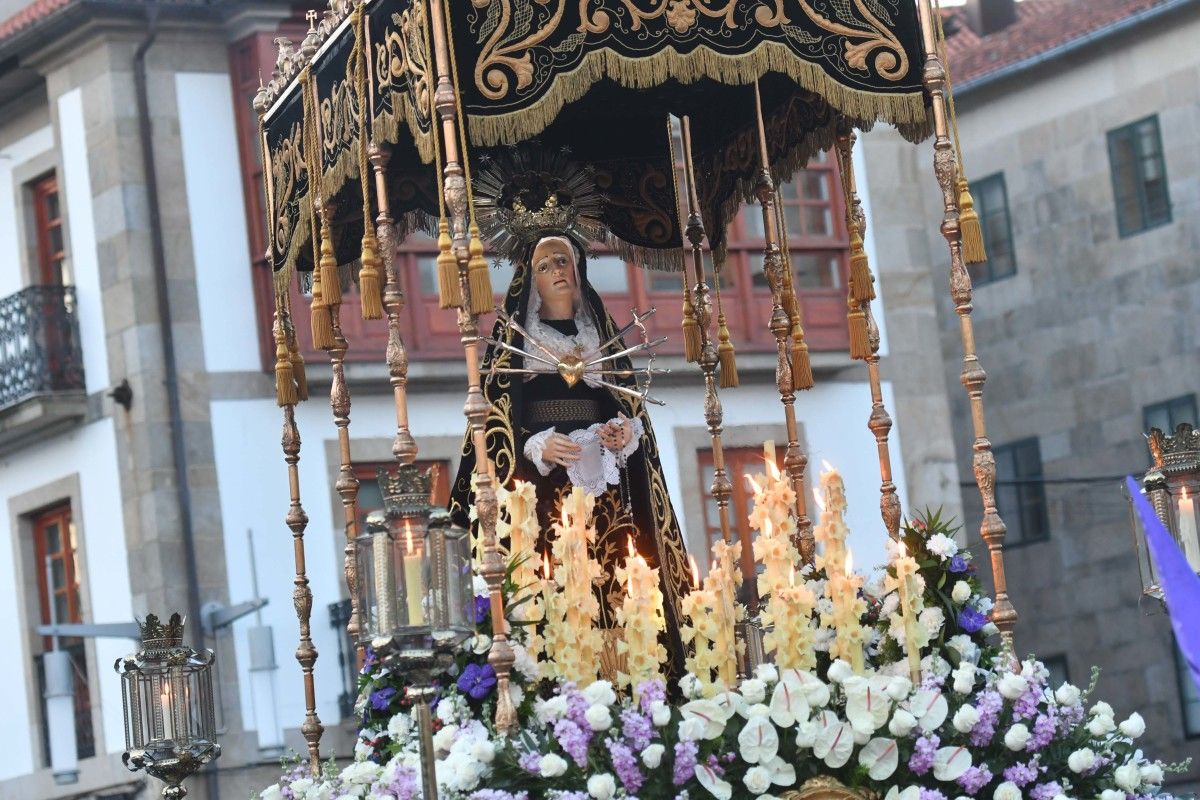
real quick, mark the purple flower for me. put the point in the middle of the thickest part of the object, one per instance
(573, 740)
(482, 606)
(530, 762)
(498, 794)
(931, 794)
(1022, 774)
(477, 680)
(975, 779)
(368, 659)
(958, 564)
(636, 728)
(382, 698)
(1046, 791)
(1043, 733)
(685, 762)
(924, 752)
(971, 620)
(988, 704)
(648, 692)
(625, 764)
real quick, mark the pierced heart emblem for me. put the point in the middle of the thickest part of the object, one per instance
(571, 369)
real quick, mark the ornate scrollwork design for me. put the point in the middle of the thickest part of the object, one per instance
(870, 35)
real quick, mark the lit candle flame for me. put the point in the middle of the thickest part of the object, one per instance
(849, 561)
(772, 468)
(546, 565)
(695, 572)
(408, 542)
(564, 515)
(1184, 490)
(818, 498)
(632, 549)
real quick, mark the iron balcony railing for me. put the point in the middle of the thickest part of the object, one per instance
(39, 344)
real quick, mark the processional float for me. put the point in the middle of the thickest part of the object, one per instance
(375, 124)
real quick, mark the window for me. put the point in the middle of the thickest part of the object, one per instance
(1057, 667)
(739, 462)
(1189, 696)
(47, 216)
(1139, 177)
(57, 568)
(991, 203)
(1020, 492)
(1167, 415)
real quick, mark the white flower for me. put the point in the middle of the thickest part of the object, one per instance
(1017, 737)
(1081, 760)
(525, 664)
(708, 713)
(966, 649)
(660, 713)
(710, 780)
(1112, 794)
(806, 734)
(361, 773)
(965, 719)
(898, 687)
(479, 586)
(452, 707)
(692, 730)
(880, 756)
(902, 723)
(652, 755)
(961, 592)
(1007, 791)
(547, 711)
(1102, 709)
(782, 773)
(950, 763)
(483, 751)
(1134, 727)
(964, 677)
(689, 685)
(1152, 773)
(301, 787)
(1128, 777)
(890, 603)
(839, 671)
(598, 717)
(766, 673)
(935, 665)
(551, 766)
(479, 644)
(941, 545)
(1101, 725)
(930, 709)
(602, 787)
(516, 694)
(757, 780)
(932, 619)
(1012, 685)
(788, 704)
(754, 690)
(989, 629)
(399, 726)
(272, 792)
(601, 693)
(443, 740)
(1068, 695)
(758, 741)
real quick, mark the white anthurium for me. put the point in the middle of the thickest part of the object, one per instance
(708, 712)
(782, 773)
(835, 740)
(732, 703)
(909, 793)
(930, 709)
(898, 687)
(789, 705)
(880, 756)
(758, 742)
(710, 780)
(806, 734)
(815, 690)
(949, 763)
(867, 704)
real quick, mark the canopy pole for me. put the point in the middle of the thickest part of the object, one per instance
(945, 168)
(477, 408)
(795, 460)
(880, 422)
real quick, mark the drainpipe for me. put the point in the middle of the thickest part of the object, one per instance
(163, 298)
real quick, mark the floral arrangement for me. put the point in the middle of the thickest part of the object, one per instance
(977, 725)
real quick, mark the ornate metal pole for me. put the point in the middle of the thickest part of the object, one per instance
(404, 447)
(992, 529)
(795, 460)
(476, 409)
(880, 422)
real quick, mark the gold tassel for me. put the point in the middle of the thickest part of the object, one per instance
(862, 288)
(802, 375)
(369, 286)
(691, 330)
(968, 224)
(480, 282)
(294, 356)
(322, 319)
(285, 379)
(331, 282)
(860, 344)
(449, 292)
(725, 351)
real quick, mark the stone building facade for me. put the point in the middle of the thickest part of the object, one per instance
(1079, 126)
(144, 470)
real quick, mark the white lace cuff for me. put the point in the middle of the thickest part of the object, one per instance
(612, 474)
(534, 447)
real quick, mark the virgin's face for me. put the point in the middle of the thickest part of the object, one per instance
(554, 274)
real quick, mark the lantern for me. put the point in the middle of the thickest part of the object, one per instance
(1171, 485)
(167, 698)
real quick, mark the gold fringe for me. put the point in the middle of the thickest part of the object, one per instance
(906, 111)
(969, 226)
(479, 281)
(725, 351)
(449, 291)
(369, 285)
(285, 379)
(862, 287)
(860, 343)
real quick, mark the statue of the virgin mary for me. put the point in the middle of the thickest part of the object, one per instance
(559, 429)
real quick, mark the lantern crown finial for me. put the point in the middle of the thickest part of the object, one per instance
(406, 491)
(159, 635)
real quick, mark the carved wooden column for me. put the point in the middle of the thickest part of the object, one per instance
(992, 529)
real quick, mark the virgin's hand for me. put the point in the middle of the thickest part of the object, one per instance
(560, 450)
(616, 435)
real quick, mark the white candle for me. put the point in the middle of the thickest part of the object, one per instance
(1187, 531)
(165, 705)
(414, 586)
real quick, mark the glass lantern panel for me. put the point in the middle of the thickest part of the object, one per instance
(460, 587)
(1184, 501)
(1146, 570)
(376, 586)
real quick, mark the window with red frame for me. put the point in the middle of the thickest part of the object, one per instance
(739, 462)
(57, 568)
(47, 218)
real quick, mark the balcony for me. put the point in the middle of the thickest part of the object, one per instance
(41, 365)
